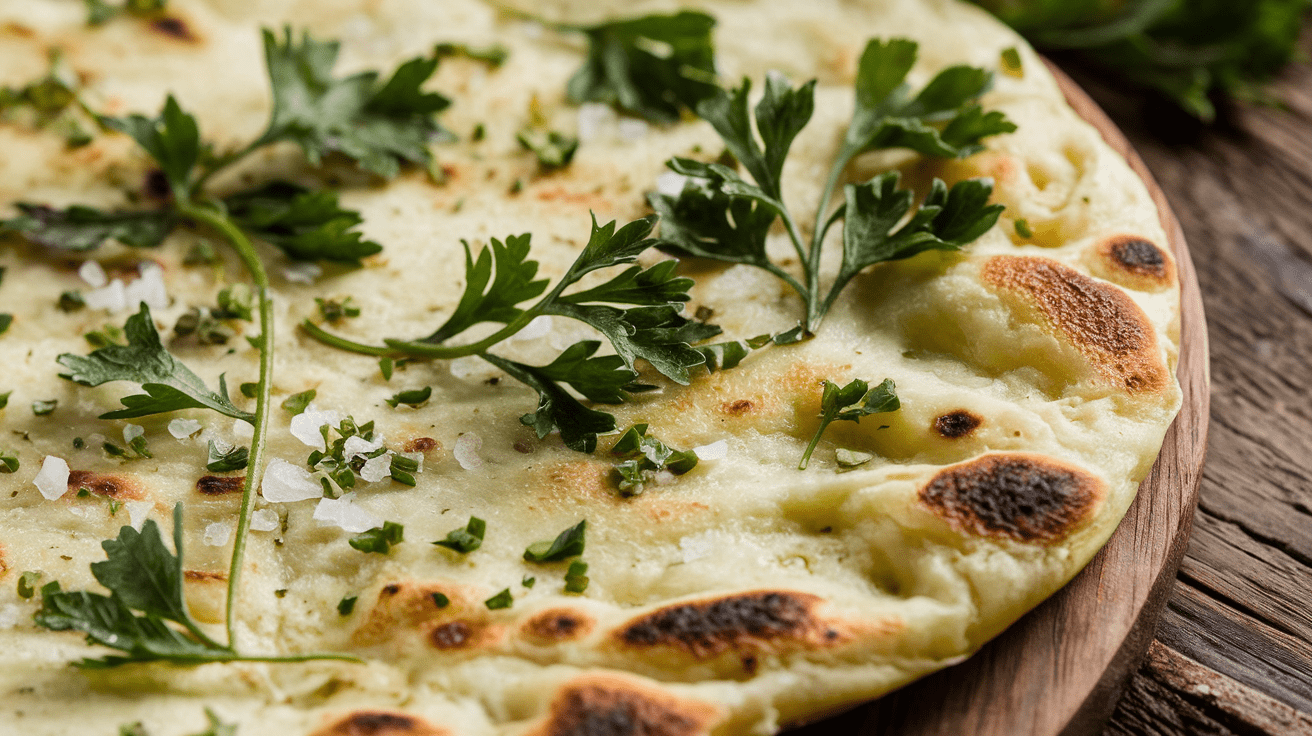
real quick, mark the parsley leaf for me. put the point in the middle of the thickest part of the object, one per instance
(411, 398)
(142, 575)
(501, 600)
(84, 228)
(494, 55)
(645, 456)
(347, 604)
(576, 577)
(378, 126)
(568, 543)
(27, 583)
(557, 408)
(722, 216)
(172, 139)
(305, 224)
(467, 539)
(554, 150)
(850, 403)
(169, 384)
(297, 403)
(42, 407)
(8, 461)
(6, 319)
(651, 66)
(379, 539)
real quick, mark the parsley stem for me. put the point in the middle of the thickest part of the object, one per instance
(263, 398)
(815, 309)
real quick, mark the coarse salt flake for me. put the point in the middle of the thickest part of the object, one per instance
(264, 520)
(466, 451)
(137, 512)
(343, 513)
(217, 533)
(305, 426)
(377, 468)
(717, 450)
(357, 445)
(285, 483)
(52, 480)
(132, 431)
(302, 272)
(110, 297)
(92, 273)
(149, 288)
(183, 428)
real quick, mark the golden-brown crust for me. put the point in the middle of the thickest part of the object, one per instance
(218, 485)
(1019, 496)
(408, 606)
(1101, 321)
(558, 624)
(117, 487)
(753, 621)
(957, 423)
(608, 705)
(1133, 262)
(380, 723)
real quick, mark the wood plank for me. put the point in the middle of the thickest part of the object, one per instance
(1175, 696)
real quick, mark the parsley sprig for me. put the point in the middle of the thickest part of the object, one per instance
(850, 403)
(720, 215)
(379, 126)
(638, 311)
(146, 596)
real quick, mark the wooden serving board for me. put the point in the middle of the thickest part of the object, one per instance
(1060, 669)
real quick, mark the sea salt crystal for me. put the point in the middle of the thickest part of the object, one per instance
(302, 272)
(52, 480)
(466, 451)
(132, 431)
(305, 426)
(92, 273)
(343, 513)
(375, 469)
(137, 512)
(717, 450)
(594, 119)
(264, 520)
(217, 534)
(665, 478)
(183, 428)
(149, 288)
(358, 446)
(110, 297)
(284, 483)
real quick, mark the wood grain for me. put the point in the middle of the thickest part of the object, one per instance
(1061, 668)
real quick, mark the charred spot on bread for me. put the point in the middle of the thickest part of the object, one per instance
(738, 622)
(736, 408)
(1018, 496)
(422, 444)
(558, 624)
(174, 28)
(1101, 321)
(956, 424)
(380, 723)
(453, 635)
(117, 487)
(218, 485)
(1133, 262)
(613, 706)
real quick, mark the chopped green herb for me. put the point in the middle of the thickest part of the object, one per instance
(84, 492)
(335, 311)
(479, 133)
(851, 458)
(201, 254)
(106, 336)
(501, 600)
(385, 366)
(653, 66)
(528, 582)
(850, 403)
(202, 323)
(42, 407)
(138, 445)
(568, 543)
(380, 539)
(4, 399)
(346, 605)
(1023, 228)
(225, 461)
(235, 302)
(401, 469)
(494, 55)
(100, 12)
(71, 301)
(1011, 64)
(6, 319)
(79, 443)
(576, 578)
(114, 450)
(27, 583)
(646, 456)
(250, 390)
(297, 403)
(465, 540)
(414, 397)
(441, 600)
(554, 150)
(8, 461)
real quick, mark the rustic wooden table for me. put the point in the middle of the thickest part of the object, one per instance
(1233, 653)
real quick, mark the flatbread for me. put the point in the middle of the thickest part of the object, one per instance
(1036, 378)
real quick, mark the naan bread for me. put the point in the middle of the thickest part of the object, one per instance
(1036, 377)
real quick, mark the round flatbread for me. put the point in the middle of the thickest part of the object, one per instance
(1035, 372)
